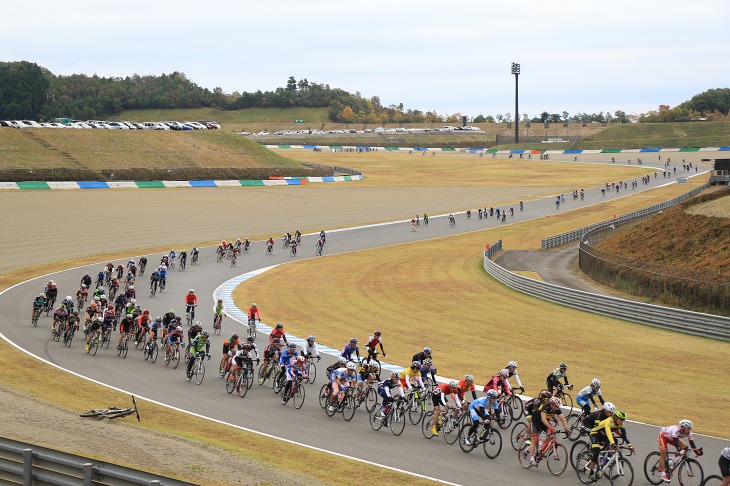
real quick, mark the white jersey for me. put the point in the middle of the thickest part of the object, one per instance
(310, 350)
(588, 392)
(673, 431)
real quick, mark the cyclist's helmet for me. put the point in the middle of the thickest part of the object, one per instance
(341, 361)
(220, 300)
(492, 394)
(301, 360)
(469, 377)
(310, 338)
(280, 326)
(609, 407)
(199, 324)
(394, 376)
(687, 424)
(133, 301)
(191, 291)
(179, 328)
(416, 365)
(351, 366)
(512, 364)
(504, 373)
(596, 383)
(204, 334)
(68, 297)
(563, 366)
(83, 286)
(555, 401)
(159, 319)
(353, 341)
(76, 312)
(250, 339)
(171, 311)
(545, 395)
(292, 346)
(234, 337)
(100, 319)
(427, 350)
(277, 341)
(619, 414)
(146, 311)
(41, 294)
(131, 287)
(129, 316)
(377, 333)
(254, 305)
(428, 361)
(453, 384)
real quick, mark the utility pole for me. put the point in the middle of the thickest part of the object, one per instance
(516, 72)
(49, 97)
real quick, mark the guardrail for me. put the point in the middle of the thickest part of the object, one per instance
(575, 235)
(705, 325)
(27, 464)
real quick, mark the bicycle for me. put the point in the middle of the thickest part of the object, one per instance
(56, 330)
(296, 392)
(198, 369)
(194, 259)
(565, 399)
(550, 449)
(142, 266)
(269, 249)
(318, 251)
(219, 255)
(252, 327)
(293, 251)
(241, 380)
(80, 300)
(611, 465)
(105, 337)
(122, 351)
(311, 370)
(37, 311)
(112, 412)
(173, 355)
(181, 266)
(515, 404)
(217, 321)
(368, 395)
(234, 257)
(189, 313)
(448, 424)
(394, 414)
(417, 408)
(49, 306)
(151, 350)
(69, 336)
(94, 343)
(345, 404)
(373, 356)
(689, 471)
(488, 436)
(267, 373)
(112, 293)
(575, 426)
(153, 288)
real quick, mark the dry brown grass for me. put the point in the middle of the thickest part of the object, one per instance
(436, 293)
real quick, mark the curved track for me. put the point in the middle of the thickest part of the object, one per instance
(261, 410)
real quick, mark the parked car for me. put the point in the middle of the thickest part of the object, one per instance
(211, 124)
(195, 125)
(174, 125)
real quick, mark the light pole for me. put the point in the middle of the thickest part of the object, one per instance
(49, 97)
(516, 72)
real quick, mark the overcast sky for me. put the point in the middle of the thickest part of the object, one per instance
(448, 55)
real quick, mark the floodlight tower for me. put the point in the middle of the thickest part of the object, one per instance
(516, 72)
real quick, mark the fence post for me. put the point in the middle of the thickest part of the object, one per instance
(88, 473)
(27, 467)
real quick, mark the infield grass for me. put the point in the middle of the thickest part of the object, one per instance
(436, 293)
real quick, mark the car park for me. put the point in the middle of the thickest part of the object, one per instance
(174, 125)
(210, 124)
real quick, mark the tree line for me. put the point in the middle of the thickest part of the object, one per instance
(27, 91)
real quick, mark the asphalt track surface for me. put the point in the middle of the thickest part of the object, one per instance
(261, 409)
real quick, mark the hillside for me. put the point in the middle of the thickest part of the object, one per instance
(689, 134)
(53, 154)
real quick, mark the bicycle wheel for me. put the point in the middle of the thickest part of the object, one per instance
(105, 340)
(119, 350)
(200, 372)
(248, 377)
(261, 374)
(398, 419)
(518, 437)
(462, 439)
(690, 473)
(331, 408)
(120, 413)
(567, 402)
(175, 358)
(621, 473)
(415, 410)
(146, 351)
(574, 426)
(323, 396)
(299, 397)
(505, 419)
(155, 352)
(450, 430)
(517, 408)
(579, 447)
(493, 443)
(348, 407)
(69, 338)
(523, 457)
(427, 425)
(651, 468)
(125, 347)
(241, 385)
(580, 467)
(55, 335)
(94, 346)
(712, 481)
(278, 382)
(376, 419)
(311, 371)
(231, 383)
(252, 330)
(371, 399)
(557, 460)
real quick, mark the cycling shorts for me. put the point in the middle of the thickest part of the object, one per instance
(226, 348)
(436, 400)
(240, 360)
(154, 333)
(664, 441)
(126, 327)
(173, 339)
(724, 466)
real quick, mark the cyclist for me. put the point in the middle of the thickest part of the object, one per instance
(293, 248)
(278, 332)
(110, 317)
(452, 220)
(271, 355)
(725, 466)
(594, 418)
(350, 348)
(100, 279)
(51, 292)
(142, 265)
(38, 304)
(439, 400)
(71, 323)
(143, 326)
(113, 285)
(219, 311)
(320, 245)
(587, 394)
(290, 353)
(342, 378)
(426, 368)
(483, 408)
(499, 381)
(154, 327)
(603, 432)
(512, 368)
(120, 271)
(162, 271)
(173, 336)
(183, 258)
(193, 331)
(296, 367)
(253, 312)
(194, 254)
(674, 434)
(298, 236)
(83, 292)
(154, 279)
(540, 423)
(532, 406)
(309, 350)
(239, 358)
(60, 315)
(251, 342)
(323, 237)
(270, 245)
(246, 245)
(331, 370)
(86, 280)
(374, 341)
(554, 378)
(165, 260)
(229, 345)
(126, 326)
(426, 353)
(384, 390)
(465, 385)
(410, 375)
(95, 326)
(168, 317)
(191, 300)
(200, 344)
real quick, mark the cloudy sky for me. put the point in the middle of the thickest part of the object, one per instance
(448, 55)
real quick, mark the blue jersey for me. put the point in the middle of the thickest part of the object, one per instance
(345, 375)
(349, 349)
(163, 273)
(483, 402)
(286, 356)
